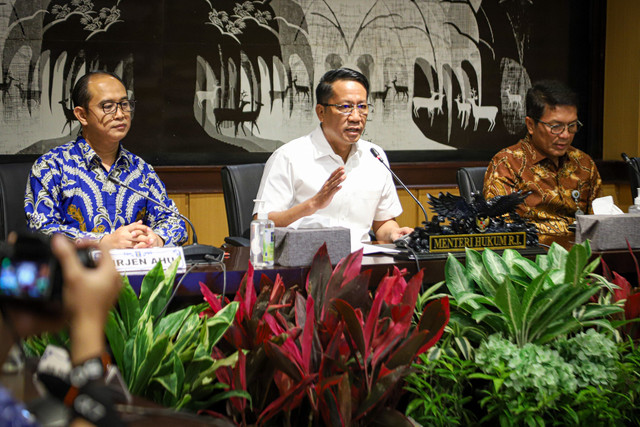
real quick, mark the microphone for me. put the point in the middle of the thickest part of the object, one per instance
(630, 163)
(377, 156)
(194, 252)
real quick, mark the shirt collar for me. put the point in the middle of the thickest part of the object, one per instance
(323, 148)
(91, 157)
(534, 155)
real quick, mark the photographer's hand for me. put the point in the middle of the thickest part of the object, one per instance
(88, 295)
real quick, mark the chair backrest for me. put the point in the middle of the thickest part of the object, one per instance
(240, 186)
(470, 180)
(13, 182)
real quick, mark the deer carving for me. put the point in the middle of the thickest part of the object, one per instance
(207, 95)
(482, 112)
(401, 91)
(513, 98)
(29, 94)
(5, 85)
(300, 89)
(464, 111)
(278, 94)
(432, 104)
(228, 114)
(247, 116)
(381, 94)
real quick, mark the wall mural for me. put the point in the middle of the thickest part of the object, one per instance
(217, 81)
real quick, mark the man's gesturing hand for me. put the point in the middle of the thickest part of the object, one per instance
(331, 186)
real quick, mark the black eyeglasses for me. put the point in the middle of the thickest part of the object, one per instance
(572, 127)
(126, 106)
(346, 109)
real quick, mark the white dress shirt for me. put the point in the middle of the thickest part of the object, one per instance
(296, 171)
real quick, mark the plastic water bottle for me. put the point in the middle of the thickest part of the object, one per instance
(262, 244)
(635, 208)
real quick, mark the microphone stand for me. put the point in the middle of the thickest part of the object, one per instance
(634, 167)
(377, 156)
(193, 253)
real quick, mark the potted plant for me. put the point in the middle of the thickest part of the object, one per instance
(528, 342)
(327, 353)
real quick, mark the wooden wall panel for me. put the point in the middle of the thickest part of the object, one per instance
(412, 215)
(209, 217)
(182, 203)
(197, 192)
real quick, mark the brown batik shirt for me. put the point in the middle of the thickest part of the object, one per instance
(551, 206)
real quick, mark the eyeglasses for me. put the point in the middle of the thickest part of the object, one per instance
(346, 109)
(126, 106)
(572, 127)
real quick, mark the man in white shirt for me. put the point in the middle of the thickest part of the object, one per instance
(330, 177)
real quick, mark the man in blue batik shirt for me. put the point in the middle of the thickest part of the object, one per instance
(70, 190)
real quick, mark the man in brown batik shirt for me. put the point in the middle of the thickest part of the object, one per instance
(564, 180)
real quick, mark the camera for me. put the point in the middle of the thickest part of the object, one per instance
(30, 275)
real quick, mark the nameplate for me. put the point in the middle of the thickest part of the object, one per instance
(458, 242)
(137, 261)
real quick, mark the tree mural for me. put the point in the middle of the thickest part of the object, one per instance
(220, 78)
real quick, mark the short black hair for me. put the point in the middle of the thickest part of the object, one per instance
(80, 95)
(549, 93)
(324, 90)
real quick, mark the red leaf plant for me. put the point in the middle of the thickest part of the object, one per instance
(628, 293)
(329, 354)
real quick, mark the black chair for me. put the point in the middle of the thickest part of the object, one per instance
(240, 186)
(13, 182)
(470, 180)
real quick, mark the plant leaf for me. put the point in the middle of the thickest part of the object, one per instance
(457, 279)
(128, 307)
(115, 336)
(576, 260)
(476, 269)
(353, 324)
(318, 278)
(149, 284)
(557, 256)
(382, 388)
(510, 306)
(495, 265)
(218, 325)
(282, 361)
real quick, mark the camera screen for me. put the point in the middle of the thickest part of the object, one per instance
(24, 278)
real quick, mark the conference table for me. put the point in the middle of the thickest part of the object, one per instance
(227, 280)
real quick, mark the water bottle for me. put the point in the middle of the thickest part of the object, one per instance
(262, 244)
(635, 208)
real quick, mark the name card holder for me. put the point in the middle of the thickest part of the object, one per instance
(140, 261)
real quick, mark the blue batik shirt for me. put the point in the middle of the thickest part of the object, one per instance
(69, 192)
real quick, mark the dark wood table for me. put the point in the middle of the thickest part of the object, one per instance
(237, 262)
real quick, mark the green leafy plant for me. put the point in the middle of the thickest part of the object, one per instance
(332, 354)
(34, 346)
(526, 301)
(167, 357)
(593, 357)
(440, 390)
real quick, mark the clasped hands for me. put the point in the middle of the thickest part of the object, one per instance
(133, 236)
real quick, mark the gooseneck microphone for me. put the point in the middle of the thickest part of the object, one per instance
(194, 252)
(630, 163)
(377, 156)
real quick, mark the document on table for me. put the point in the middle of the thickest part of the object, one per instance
(379, 249)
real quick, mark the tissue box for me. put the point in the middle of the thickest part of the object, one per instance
(296, 248)
(609, 231)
